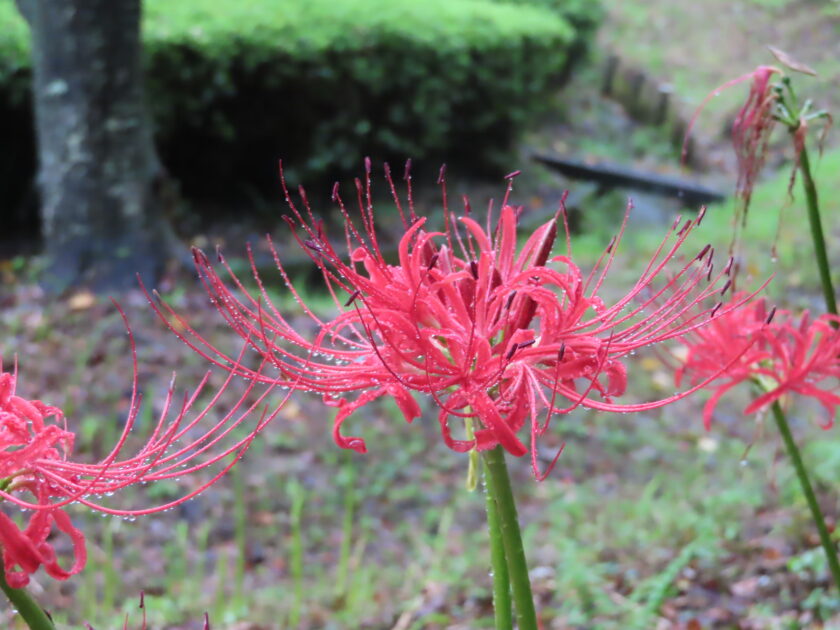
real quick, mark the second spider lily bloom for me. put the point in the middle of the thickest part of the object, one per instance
(494, 333)
(39, 471)
(783, 355)
(732, 340)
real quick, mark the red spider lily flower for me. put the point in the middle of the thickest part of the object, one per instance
(26, 437)
(777, 352)
(751, 128)
(36, 458)
(500, 334)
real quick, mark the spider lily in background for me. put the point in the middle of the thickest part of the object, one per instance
(768, 105)
(497, 334)
(788, 355)
(751, 129)
(38, 470)
(783, 355)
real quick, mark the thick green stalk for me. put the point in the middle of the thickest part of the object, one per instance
(502, 610)
(817, 234)
(808, 491)
(502, 494)
(27, 608)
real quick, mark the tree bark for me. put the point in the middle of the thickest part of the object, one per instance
(99, 178)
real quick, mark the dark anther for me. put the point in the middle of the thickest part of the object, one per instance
(352, 297)
(728, 269)
(335, 192)
(611, 244)
(511, 351)
(433, 261)
(497, 279)
(510, 300)
(525, 344)
(771, 315)
(561, 352)
(513, 174)
(442, 174)
(704, 251)
(715, 309)
(313, 245)
(474, 269)
(726, 286)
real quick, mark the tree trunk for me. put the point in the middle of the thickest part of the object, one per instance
(100, 181)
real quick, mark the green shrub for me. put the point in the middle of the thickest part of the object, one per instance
(583, 15)
(236, 85)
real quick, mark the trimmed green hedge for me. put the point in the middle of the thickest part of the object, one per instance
(583, 15)
(236, 85)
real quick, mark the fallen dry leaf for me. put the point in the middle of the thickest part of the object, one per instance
(789, 62)
(81, 300)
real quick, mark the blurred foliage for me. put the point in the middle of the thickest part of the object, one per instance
(768, 243)
(235, 86)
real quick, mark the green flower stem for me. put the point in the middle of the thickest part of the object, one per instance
(817, 232)
(501, 492)
(501, 580)
(808, 491)
(27, 608)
